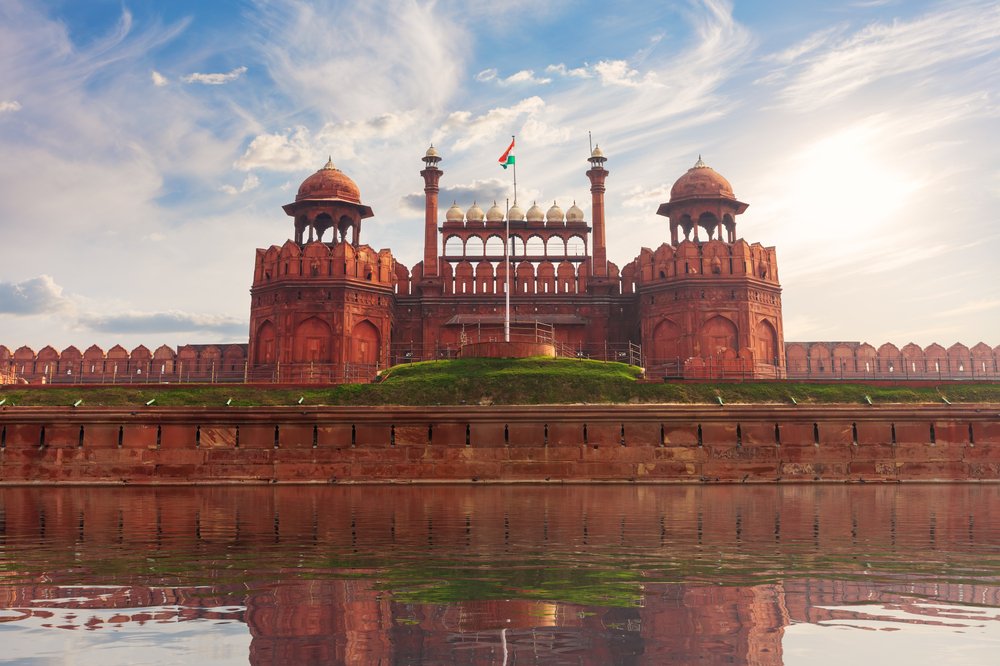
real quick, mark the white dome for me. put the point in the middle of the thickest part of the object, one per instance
(555, 214)
(494, 214)
(454, 214)
(515, 214)
(474, 214)
(535, 214)
(574, 214)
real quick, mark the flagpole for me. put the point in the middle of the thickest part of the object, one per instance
(506, 274)
(506, 317)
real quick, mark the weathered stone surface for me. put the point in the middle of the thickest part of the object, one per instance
(391, 444)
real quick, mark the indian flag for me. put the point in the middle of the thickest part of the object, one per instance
(507, 158)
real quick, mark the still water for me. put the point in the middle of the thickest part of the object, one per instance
(501, 575)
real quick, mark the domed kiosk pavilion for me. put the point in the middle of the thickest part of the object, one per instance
(327, 307)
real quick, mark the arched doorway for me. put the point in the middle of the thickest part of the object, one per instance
(311, 343)
(667, 343)
(264, 352)
(365, 343)
(718, 334)
(766, 343)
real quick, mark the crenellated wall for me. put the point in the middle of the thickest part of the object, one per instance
(854, 360)
(765, 443)
(188, 363)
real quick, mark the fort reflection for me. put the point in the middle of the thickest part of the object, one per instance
(584, 574)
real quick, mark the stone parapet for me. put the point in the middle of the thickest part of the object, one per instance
(504, 444)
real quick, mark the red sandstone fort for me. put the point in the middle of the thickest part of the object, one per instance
(326, 307)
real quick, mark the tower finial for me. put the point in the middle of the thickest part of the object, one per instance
(700, 164)
(329, 163)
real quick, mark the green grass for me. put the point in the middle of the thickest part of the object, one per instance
(501, 382)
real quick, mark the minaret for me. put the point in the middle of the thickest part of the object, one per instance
(431, 174)
(597, 174)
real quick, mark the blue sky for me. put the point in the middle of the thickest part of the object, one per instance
(147, 146)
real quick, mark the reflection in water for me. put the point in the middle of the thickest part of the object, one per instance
(462, 574)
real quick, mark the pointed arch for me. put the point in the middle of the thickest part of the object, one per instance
(265, 351)
(365, 343)
(716, 335)
(311, 342)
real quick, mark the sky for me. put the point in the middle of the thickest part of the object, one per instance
(146, 147)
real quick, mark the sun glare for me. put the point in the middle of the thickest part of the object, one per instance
(846, 183)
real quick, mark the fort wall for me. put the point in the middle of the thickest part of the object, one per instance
(577, 443)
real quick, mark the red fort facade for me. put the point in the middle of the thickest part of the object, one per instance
(705, 303)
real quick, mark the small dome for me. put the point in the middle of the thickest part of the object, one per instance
(454, 214)
(494, 214)
(701, 181)
(597, 152)
(329, 183)
(555, 214)
(574, 214)
(535, 214)
(431, 152)
(475, 213)
(515, 214)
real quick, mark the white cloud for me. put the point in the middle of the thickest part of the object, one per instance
(618, 73)
(216, 79)
(298, 148)
(249, 183)
(158, 79)
(832, 69)
(608, 72)
(170, 321)
(10, 106)
(37, 296)
(525, 76)
(292, 150)
(498, 121)
(342, 64)
(575, 72)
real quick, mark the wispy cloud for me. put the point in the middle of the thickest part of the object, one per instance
(299, 148)
(823, 69)
(472, 129)
(216, 79)
(404, 55)
(971, 307)
(251, 182)
(608, 72)
(158, 79)
(525, 76)
(10, 106)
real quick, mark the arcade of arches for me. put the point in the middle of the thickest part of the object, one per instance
(325, 306)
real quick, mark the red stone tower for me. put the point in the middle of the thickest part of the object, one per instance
(709, 303)
(322, 309)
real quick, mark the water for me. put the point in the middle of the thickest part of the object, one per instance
(500, 575)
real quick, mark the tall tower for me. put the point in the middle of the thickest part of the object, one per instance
(709, 302)
(321, 305)
(597, 174)
(432, 175)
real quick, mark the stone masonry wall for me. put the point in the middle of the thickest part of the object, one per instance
(731, 444)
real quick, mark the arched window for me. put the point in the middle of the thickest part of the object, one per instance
(494, 246)
(535, 247)
(474, 247)
(453, 247)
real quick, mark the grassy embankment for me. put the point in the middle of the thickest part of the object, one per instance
(501, 382)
